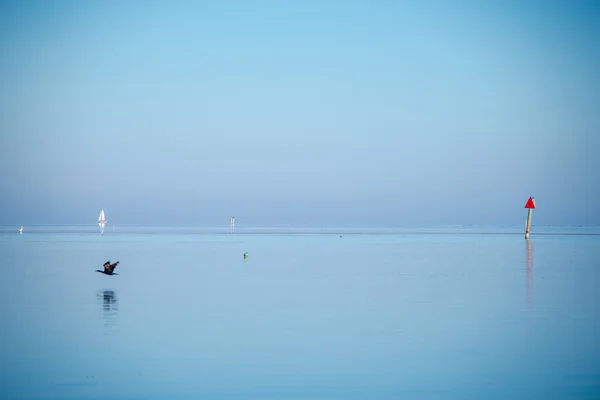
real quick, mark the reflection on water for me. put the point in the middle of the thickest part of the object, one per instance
(529, 264)
(109, 306)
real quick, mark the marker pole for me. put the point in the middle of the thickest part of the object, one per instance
(528, 225)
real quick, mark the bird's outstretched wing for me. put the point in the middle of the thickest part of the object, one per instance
(111, 267)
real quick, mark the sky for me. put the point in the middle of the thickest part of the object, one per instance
(318, 113)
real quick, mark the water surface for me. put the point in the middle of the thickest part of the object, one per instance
(321, 314)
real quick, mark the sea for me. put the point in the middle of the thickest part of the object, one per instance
(310, 313)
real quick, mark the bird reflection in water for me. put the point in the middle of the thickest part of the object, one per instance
(109, 306)
(529, 265)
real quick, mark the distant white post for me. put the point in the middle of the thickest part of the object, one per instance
(232, 224)
(530, 206)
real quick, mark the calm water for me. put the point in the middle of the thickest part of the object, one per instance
(423, 314)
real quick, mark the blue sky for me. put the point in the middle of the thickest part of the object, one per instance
(317, 113)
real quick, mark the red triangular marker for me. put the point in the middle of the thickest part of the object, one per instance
(530, 203)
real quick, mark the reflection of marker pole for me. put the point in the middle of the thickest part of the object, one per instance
(529, 274)
(530, 206)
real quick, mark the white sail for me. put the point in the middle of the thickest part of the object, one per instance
(21, 230)
(102, 221)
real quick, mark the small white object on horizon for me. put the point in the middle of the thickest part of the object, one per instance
(102, 221)
(21, 230)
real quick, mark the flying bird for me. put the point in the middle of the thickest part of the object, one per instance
(109, 268)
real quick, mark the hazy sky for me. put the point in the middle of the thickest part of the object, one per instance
(365, 113)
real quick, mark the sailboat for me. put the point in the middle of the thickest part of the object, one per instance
(102, 221)
(21, 230)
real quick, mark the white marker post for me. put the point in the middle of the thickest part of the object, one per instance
(530, 206)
